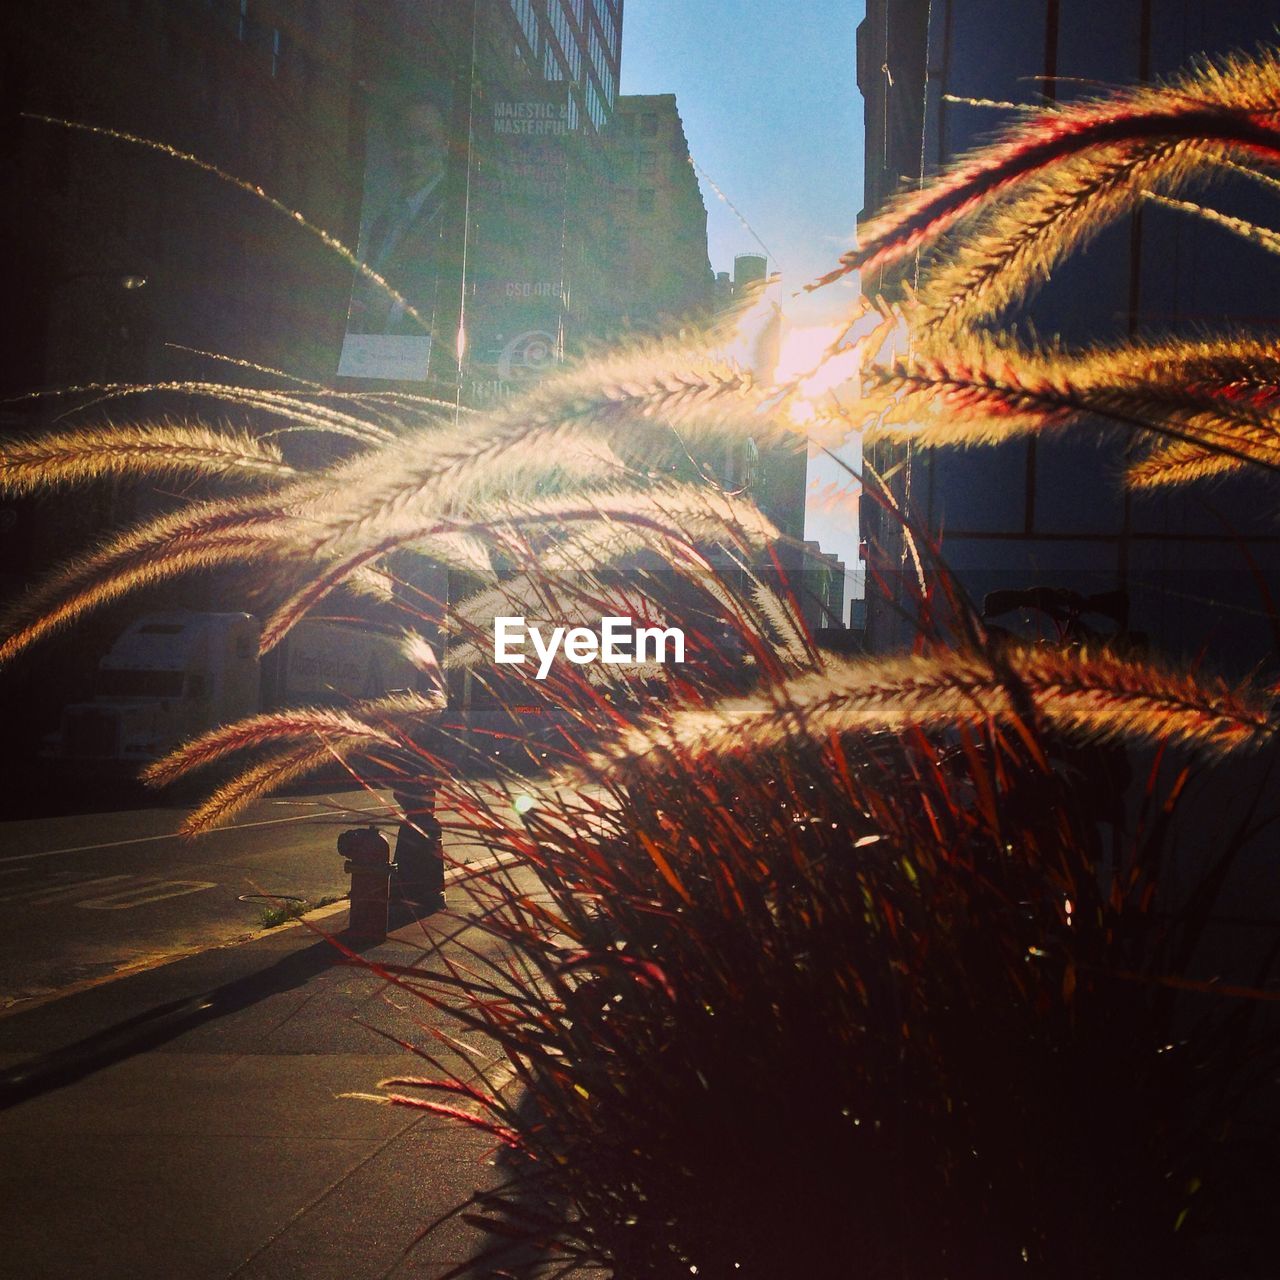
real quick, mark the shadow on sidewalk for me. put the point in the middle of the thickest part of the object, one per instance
(521, 1218)
(165, 1022)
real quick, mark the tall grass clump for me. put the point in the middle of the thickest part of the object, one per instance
(813, 965)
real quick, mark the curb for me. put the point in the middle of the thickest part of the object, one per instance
(459, 871)
(155, 1026)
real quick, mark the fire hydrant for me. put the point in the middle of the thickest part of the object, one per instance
(368, 862)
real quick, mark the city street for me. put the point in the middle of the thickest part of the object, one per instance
(84, 897)
(743, 537)
(186, 1101)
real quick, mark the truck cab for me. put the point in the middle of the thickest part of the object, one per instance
(167, 678)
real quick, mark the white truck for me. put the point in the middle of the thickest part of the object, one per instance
(173, 675)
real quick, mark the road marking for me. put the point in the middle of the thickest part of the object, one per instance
(173, 835)
(58, 884)
(136, 892)
(127, 899)
(43, 897)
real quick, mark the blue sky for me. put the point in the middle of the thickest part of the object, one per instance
(769, 99)
(771, 109)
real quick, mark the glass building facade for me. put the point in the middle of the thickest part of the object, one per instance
(578, 42)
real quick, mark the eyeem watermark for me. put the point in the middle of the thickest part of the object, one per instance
(617, 641)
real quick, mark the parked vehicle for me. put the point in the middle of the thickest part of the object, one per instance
(171, 676)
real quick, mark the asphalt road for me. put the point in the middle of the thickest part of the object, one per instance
(86, 896)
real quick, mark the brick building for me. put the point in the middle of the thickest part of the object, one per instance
(657, 251)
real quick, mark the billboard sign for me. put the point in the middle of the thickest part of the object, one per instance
(519, 293)
(402, 222)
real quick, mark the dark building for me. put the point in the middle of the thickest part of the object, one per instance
(748, 269)
(126, 263)
(268, 93)
(1052, 511)
(657, 246)
(292, 96)
(781, 470)
(1197, 571)
(822, 588)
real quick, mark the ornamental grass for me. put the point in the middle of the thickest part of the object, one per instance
(814, 965)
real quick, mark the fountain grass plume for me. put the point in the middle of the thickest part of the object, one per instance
(137, 451)
(1091, 696)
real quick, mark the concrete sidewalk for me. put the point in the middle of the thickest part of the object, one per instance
(184, 1123)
